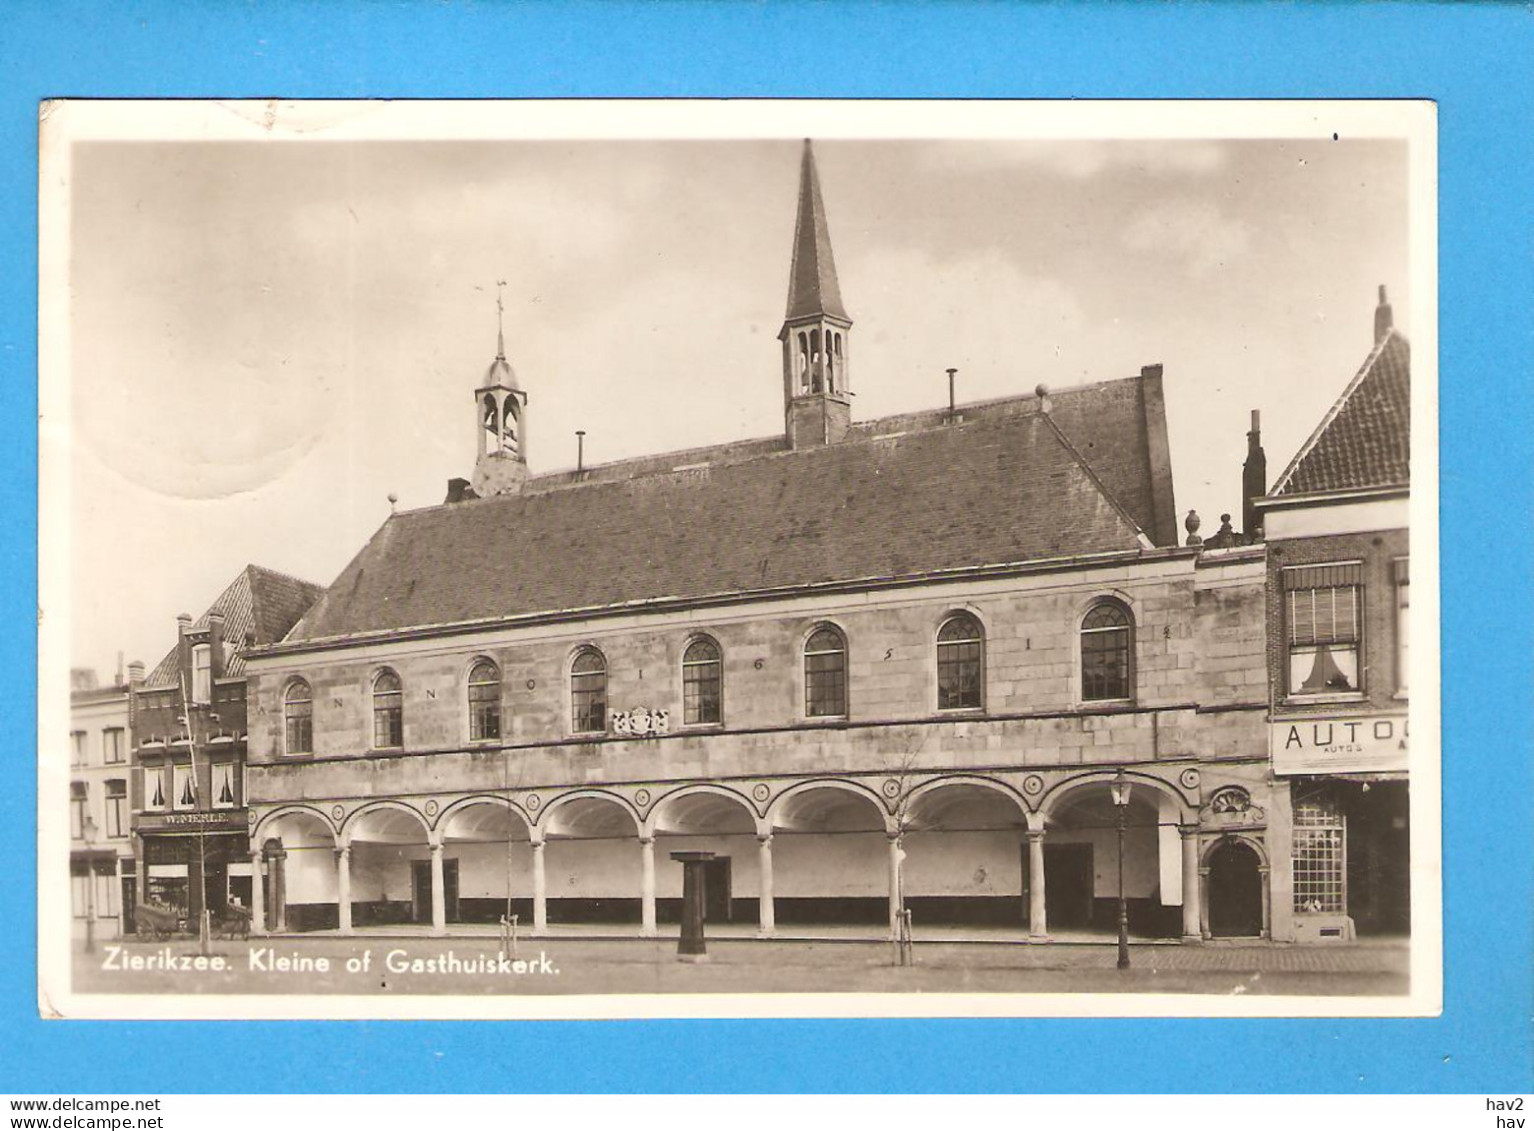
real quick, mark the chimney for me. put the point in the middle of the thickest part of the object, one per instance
(135, 673)
(459, 490)
(117, 678)
(580, 450)
(1383, 319)
(1254, 480)
(183, 623)
(952, 373)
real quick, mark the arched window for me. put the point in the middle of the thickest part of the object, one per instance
(484, 702)
(511, 417)
(960, 663)
(588, 692)
(1106, 650)
(702, 683)
(298, 718)
(825, 673)
(490, 418)
(388, 712)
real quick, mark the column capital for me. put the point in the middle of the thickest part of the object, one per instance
(1034, 834)
(436, 848)
(1188, 831)
(647, 841)
(342, 851)
(764, 838)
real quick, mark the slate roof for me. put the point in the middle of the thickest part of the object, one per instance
(812, 285)
(260, 603)
(903, 496)
(1365, 440)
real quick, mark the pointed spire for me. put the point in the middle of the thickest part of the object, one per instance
(812, 286)
(500, 320)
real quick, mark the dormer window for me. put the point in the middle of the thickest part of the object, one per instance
(202, 673)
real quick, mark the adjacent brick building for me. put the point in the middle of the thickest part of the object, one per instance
(189, 734)
(1338, 602)
(872, 666)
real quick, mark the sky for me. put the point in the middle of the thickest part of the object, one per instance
(270, 338)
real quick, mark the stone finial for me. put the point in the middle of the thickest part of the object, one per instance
(1041, 391)
(1191, 524)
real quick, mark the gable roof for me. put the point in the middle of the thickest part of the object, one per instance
(1365, 440)
(900, 497)
(260, 605)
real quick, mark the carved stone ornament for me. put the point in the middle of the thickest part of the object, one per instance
(891, 788)
(431, 807)
(761, 792)
(1033, 785)
(1189, 779)
(641, 722)
(532, 802)
(337, 812)
(1231, 806)
(641, 797)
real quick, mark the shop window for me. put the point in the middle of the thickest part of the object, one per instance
(388, 712)
(588, 692)
(960, 663)
(1320, 856)
(298, 718)
(825, 674)
(112, 746)
(223, 785)
(77, 748)
(1403, 634)
(79, 799)
(117, 807)
(1321, 606)
(702, 683)
(1107, 648)
(183, 787)
(484, 702)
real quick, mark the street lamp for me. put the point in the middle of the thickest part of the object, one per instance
(1119, 788)
(88, 834)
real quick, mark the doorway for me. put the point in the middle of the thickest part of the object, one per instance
(717, 902)
(1069, 886)
(420, 890)
(1235, 892)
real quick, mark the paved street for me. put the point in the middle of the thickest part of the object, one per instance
(416, 964)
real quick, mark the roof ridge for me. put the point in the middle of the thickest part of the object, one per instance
(1338, 405)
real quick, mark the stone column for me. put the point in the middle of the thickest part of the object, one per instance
(1038, 926)
(647, 887)
(277, 862)
(1267, 898)
(257, 895)
(766, 913)
(1190, 885)
(540, 893)
(1203, 902)
(438, 893)
(344, 888)
(896, 854)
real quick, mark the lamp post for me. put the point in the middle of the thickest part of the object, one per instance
(88, 834)
(1120, 790)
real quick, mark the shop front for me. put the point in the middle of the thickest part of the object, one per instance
(209, 856)
(1350, 803)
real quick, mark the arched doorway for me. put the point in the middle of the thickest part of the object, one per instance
(1235, 891)
(593, 863)
(300, 889)
(833, 854)
(390, 868)
(487, 846)
(965, 856)
(708, 821)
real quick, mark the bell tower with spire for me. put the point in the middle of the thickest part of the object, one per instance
(817, 397)
(500, 421)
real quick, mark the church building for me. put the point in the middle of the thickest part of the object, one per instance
(915, 664)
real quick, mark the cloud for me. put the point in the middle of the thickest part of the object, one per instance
(1195, 231)
(1080, 160)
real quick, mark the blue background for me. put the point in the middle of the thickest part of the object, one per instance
(1475, 61)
